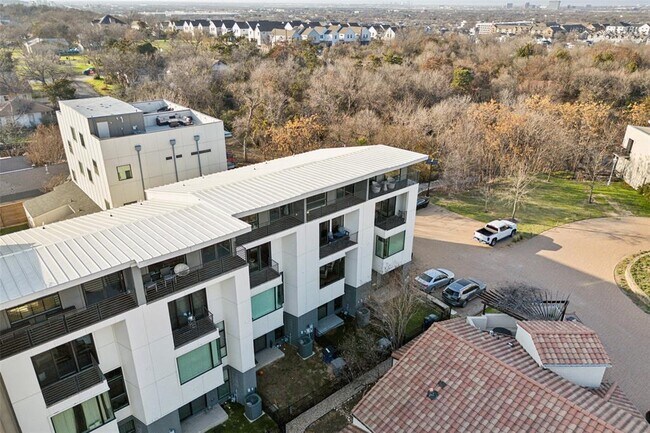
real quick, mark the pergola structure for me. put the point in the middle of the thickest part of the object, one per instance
(525, 303)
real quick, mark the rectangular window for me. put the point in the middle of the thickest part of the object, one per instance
(192, 408)
(223, 349)
(70, 148)
(95, 167)
(186, 310)
(107, 204)
(124, 172)
(81, 168)
(322, 312)
(332, 272)
(630, 143)
(64, 360)
(117, 389)
(74, 133)
(90, 174)
(253, 220)
(316, 201)
(217, 251)
(35, 311)
(74, 175)
(223, 391)
(387, 247)
(85, 417)
(198, 361)
(267, 302)
(81, 139)
(338, 303)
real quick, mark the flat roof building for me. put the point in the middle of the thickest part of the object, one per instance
(116, 150)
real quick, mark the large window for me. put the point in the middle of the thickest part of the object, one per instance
(117, 389)
(85, 417)
(188, 308)
(64, 360)
(332, 272)
(330, 230)
(81, 138)
(124, 172)
(267, 302)
(223, 349)
(35, 311)
(259, 257)
(387, 247)
(217, 251)
(316, 201)
(198, 361)
(385, 208)
(192, 408)
(102, 288)
(223, 391)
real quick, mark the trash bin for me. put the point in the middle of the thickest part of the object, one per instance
(253, 408)
(429, 320)
(305, 346)
(329, 353)
(363, 317)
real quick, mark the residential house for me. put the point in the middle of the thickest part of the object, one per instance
(389, 33)
(293, 25)
(361, 34)
(241, 29)
(138, 25)
(226, 26)
(493, 373)
(485, 28)
(176, 25)
(24, 112)
(149, 316)
(633, 160)
(215, 27)
(263, 29)
(196, 27)
(116, 150)
(108, 20)
(619, 28)
(644, 29)
(283, 36)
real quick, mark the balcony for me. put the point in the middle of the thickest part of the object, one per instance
(336, 205)
(72, 385)
(377, 189)
(270, 228)
(70, 320)
(194, 329)
(173, 283)
(390, 222)
(267, 273)
(338, 243)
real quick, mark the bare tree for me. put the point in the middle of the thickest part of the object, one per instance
(394, 312)
(42, 67)
(45, 146)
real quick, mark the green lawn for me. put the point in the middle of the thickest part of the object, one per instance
(237, 422)
(162, 44)
(552, 203)
(641, 273)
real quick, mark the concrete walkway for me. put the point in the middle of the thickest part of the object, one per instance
(576, 259)
(300, 424)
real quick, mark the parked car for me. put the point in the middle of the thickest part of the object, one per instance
(460, 292)
(422, 202)
(494, 231)
(434, 278)
(227, 134)
(90, 71)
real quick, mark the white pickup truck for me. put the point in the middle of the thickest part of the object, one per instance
(494, 231)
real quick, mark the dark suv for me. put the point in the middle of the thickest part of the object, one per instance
(460, 292)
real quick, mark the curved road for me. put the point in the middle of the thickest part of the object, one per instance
(576, 259)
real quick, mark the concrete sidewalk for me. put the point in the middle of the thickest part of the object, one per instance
(300, 424)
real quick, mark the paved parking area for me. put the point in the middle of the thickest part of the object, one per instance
(576, 259)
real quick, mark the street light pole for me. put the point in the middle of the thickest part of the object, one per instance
(198, 153)
(138, 148)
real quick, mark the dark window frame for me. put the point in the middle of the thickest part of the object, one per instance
(113, 378)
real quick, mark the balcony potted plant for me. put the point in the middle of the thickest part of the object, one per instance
(375, 187)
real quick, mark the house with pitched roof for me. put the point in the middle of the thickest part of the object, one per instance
(633, 158)
(494, 374)
(108, 20)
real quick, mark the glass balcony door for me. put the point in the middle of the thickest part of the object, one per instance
(65, 360)
(259, 257)
(103, 288)
(190, 307)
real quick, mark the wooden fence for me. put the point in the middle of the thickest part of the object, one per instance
(12, 214)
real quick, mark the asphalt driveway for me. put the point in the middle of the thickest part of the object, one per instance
(577, 259)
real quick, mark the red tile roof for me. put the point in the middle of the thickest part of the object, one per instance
(351, 429)
(490, 385)
(566, 343)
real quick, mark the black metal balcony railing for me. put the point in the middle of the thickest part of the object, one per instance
(172, 283)
(390, 222)
(378, 189)
(338, 244)
(267, 273)
(16, 341)
(194, 329)
(271, 228)
(336, 205)
(72, 385)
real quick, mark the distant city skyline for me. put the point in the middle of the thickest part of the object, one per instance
(385, 3)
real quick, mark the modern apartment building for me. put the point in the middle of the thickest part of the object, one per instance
(116, 150)
(149, 315)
